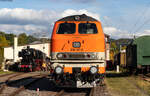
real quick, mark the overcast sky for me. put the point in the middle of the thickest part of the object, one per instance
(120, 18)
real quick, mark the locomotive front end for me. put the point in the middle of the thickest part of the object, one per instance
(78, 52)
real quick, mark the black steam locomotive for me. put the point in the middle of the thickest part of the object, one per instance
(32, 59)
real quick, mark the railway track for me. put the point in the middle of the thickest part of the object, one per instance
(28, 86)
(23, 87)
(27, 81)
(60, 93)
(92, 92)
(148, 78)
(7, 81)
(145, 77)
(100, 90)
(88, 92)
(3, 75)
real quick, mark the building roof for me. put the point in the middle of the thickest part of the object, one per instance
(36, 42)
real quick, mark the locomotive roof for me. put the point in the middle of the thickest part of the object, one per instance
(82, 17)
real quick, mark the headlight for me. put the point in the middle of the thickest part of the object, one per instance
(58, 70)
(91, 56)
(77, 18)
(61, 55)
(93, 70)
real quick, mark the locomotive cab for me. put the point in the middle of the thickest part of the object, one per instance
(78, 52)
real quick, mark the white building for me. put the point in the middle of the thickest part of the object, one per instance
(11, 53)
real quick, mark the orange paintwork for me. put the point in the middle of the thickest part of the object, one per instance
(101, 70)
(68, 70)
(83, 69)
(89, 42)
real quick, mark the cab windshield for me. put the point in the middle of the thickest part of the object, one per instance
(87, 28)
(66, 28)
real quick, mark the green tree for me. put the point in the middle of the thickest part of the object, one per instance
(123, 48)
(2, 33)
(114, 47)
(31, 39)
(22, 39)
(3, 43)
(10, 38)
(114, 50)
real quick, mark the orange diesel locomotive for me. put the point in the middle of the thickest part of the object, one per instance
(78, 52)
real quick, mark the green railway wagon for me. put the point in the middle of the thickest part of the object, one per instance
(138, 54)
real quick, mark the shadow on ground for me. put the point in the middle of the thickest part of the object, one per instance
(114, 74)
(46, 84)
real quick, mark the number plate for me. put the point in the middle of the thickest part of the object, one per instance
(76, 44)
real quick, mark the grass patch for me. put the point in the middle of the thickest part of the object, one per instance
(118, 85)
(5, 72)
(144, 85)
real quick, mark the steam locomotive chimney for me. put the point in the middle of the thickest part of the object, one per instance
(15, 49)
